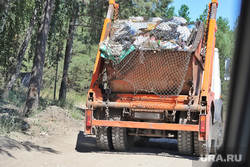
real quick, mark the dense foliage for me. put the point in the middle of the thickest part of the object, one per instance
(225, 42)
(184, 12)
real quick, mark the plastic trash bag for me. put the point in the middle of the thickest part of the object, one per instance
(122, 28)
(136, 19)
(164, 26)
(184, 32)
(191, 27)
(106, 53)
(110, 49)
(165, 35)
(168, 45)
(153, 43)
(125, 40)
(140, 25)
(155, 19)
(179, 20)
(126, 52)
(132, 28)
(140, 40)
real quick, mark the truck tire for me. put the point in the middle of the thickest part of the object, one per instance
(200, 147)
(185, 142)
(104, 139)
(216, 143)
(203, 148)
(213, 147)
(120, 139)
(185, 138)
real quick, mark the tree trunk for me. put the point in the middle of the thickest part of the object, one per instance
(16, 71)
(32, 100)
(4, 5)
(69, 47)
(56, 76)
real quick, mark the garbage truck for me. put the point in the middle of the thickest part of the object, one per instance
(155, 79)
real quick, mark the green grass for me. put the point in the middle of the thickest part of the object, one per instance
(17, 97)
(41, 127)
(10, 123)
(72, 95)
(76, 114)
(72, 99)
(76, 97)
(12, 120)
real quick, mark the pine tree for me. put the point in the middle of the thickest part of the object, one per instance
(170, 12)
(152, 8)
(38, 62)
(184, 12)
(68, 51)
(18, 64)
(203, 16)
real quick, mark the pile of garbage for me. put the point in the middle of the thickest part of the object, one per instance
(155, 34)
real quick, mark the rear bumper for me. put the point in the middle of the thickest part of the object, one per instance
(146, 125)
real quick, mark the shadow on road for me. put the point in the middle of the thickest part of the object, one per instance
(156, 147)
(11, 144)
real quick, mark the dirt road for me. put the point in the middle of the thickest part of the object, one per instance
(65, 145)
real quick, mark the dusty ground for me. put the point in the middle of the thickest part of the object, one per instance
(57, 140)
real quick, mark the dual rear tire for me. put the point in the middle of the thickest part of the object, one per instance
(189, 144)
(188, 141)
(185, 142)
(104, 139)
(116, 138)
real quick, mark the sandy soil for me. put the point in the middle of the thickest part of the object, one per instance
(57, 140)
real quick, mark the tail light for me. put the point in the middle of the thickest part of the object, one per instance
(88, 117)
(203, 123)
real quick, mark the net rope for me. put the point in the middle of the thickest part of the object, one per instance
(149, 69)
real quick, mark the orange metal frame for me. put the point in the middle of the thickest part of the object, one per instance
(208, 70)
(139, 101)
(99, 61)
(150, 101)
(146, 125)
(143, 100)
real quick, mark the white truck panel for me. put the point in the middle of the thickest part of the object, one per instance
(216, 80)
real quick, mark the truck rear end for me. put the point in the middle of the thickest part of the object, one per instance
(155, 92)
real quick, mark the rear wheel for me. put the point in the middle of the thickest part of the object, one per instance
(216, 143)
(121, 140)
(104, 139)
(185, 138)
(220, 136)
(185, 142)
(213, 147)
(202, 148)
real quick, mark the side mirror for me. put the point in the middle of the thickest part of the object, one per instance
(227, 69)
